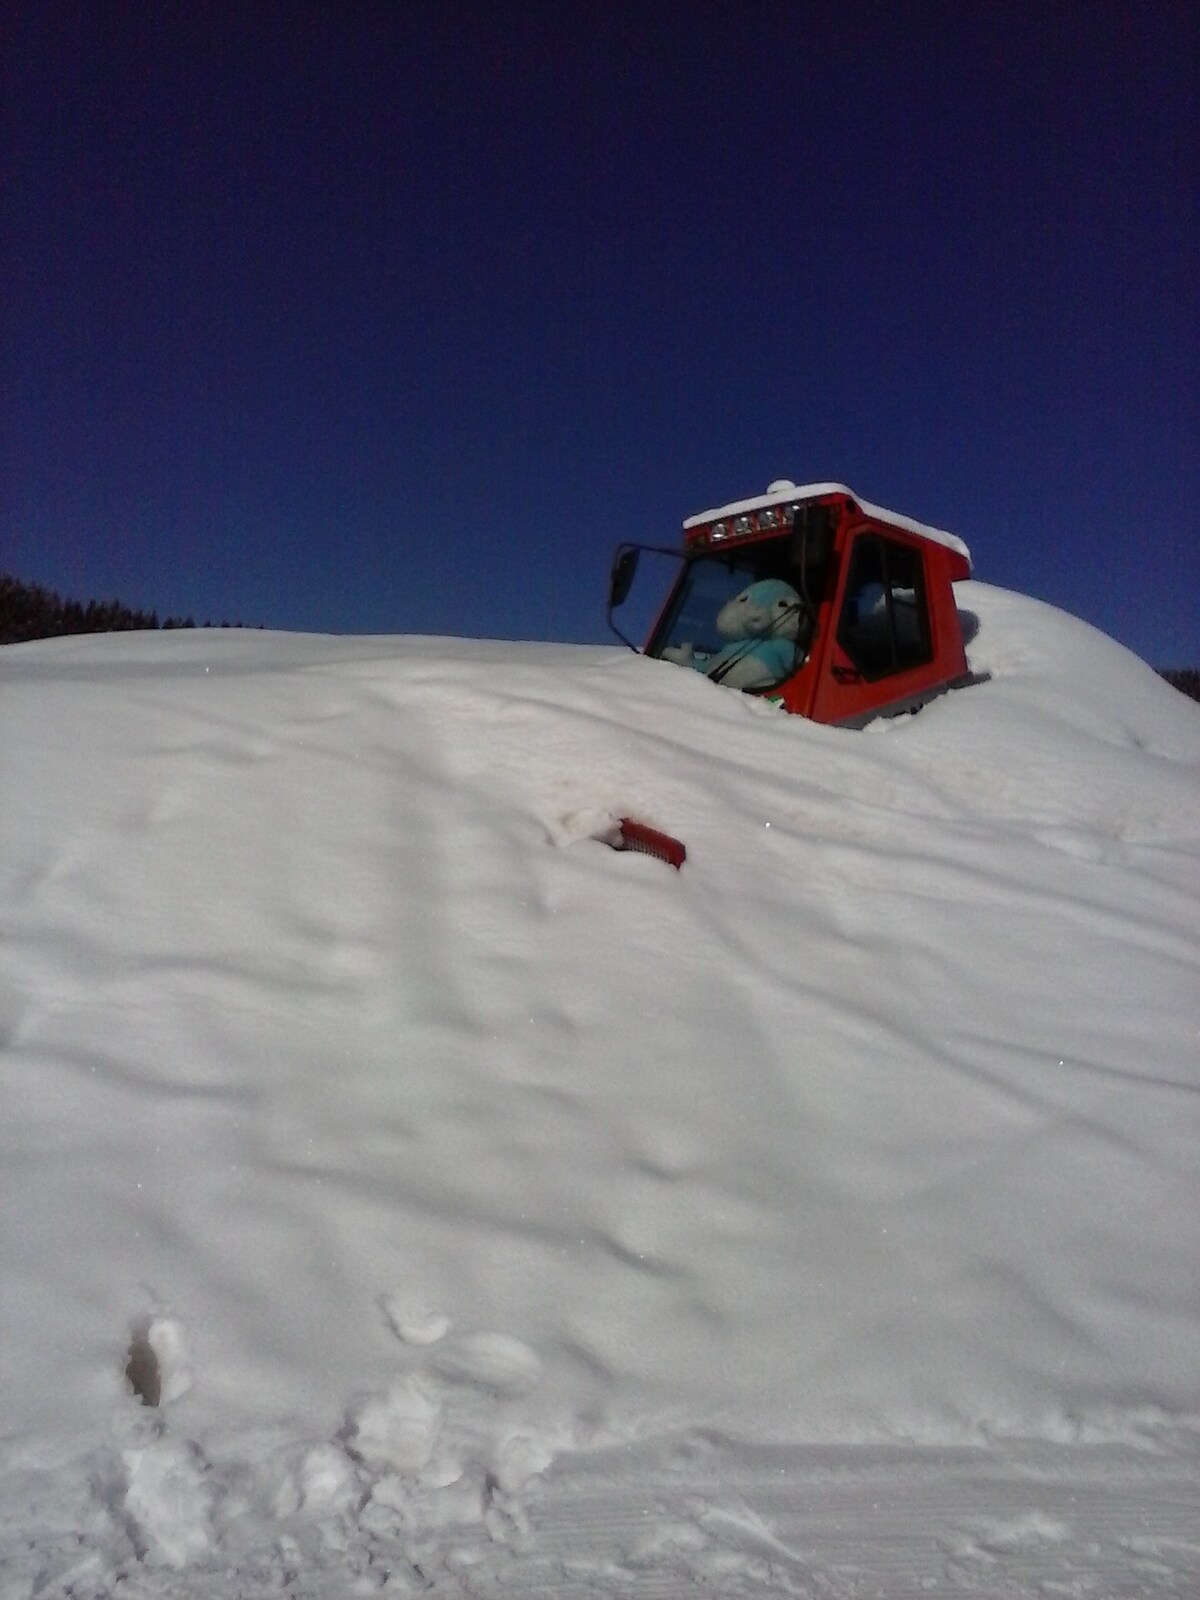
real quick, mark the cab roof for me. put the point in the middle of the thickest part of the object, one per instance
(784, 492)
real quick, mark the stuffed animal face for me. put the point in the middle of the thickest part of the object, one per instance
(768, 609)
(762, 626)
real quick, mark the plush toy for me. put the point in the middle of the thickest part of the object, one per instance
(762, 625)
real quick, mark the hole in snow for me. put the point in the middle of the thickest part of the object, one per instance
(142, 1369)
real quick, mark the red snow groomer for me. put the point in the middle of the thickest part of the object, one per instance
(807, 596)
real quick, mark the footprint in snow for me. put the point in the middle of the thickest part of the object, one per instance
(412, 1321)
(396, 1431)
(492, 1361)
(169, 1501)
(158, 1367)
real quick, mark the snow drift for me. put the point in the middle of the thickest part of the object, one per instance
(408, 1144)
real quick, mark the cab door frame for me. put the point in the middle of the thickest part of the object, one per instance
(886, 646)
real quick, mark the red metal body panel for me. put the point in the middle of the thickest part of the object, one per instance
(839, 692)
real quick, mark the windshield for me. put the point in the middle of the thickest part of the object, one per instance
(705, 588)
(735, 618)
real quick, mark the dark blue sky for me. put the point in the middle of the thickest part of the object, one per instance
(398, 320)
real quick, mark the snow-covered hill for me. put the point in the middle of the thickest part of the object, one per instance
(496, 1213)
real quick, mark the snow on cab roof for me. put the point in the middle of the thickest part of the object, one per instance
(784, 490)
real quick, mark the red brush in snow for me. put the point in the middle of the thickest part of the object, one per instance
(637, 836)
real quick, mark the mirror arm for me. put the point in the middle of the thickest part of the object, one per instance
(624, 637)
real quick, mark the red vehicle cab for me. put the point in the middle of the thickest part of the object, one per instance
(807, 596)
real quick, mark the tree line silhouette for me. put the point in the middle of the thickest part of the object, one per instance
(28, 612)
(1185, 679)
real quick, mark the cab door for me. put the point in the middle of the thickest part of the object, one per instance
(880, 653)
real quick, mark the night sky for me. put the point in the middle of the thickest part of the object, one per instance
(398, 317)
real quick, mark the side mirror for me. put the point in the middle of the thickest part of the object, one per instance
(620, 580)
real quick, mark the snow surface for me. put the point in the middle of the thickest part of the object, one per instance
(489, 1212)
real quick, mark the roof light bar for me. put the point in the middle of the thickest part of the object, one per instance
(767, 520)
(782, 500)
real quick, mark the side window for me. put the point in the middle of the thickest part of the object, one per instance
(884, 625)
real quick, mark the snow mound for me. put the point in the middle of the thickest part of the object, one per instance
(413, 1145)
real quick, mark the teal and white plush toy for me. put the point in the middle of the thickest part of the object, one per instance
(762, 625)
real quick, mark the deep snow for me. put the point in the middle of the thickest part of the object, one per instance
(501, 1214)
